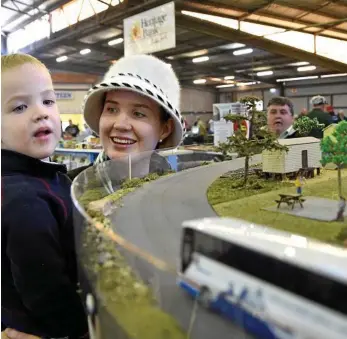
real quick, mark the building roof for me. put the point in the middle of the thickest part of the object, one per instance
(330, 126)
(298, 141)
(250, 42)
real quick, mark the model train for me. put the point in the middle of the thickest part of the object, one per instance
(274, 284)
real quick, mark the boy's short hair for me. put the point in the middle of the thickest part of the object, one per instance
(282, 101)
(14, 60)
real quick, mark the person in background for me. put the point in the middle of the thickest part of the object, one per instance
(202, 129)
(38, 259)
(319, 103)
(341, 116)
(303, 113)
(84, 134)
(72, 129)
(280, 117)
(330, 110)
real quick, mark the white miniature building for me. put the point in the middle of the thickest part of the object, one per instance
(302, 153)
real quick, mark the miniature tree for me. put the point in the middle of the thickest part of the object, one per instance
(305, 125)
(259, 139)
(334, 150)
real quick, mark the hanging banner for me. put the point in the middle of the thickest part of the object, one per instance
(222, 130)
(221, 110)
(150, 31)
(63, 95)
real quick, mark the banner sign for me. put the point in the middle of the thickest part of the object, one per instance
(63, 95)
(150, 31)
(222, 130)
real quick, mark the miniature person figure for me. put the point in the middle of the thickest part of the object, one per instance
(299, 182)
(341, 209)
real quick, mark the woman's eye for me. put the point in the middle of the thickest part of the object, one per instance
(111, 109)
(19, 109)
(139, 114)
(48, 102)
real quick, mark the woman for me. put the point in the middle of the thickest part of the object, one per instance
(134, 109)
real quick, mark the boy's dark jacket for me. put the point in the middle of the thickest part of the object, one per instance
(38, 273)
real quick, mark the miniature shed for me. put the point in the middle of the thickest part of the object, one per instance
(302, 153)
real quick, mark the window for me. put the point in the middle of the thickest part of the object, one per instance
(291, 278)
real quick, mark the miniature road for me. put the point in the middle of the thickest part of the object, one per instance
(151, 218)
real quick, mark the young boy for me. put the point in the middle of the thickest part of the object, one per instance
(38, 273)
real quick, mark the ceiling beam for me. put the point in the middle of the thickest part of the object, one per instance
(38, 15)
(222, 11)
(257, 8)
(230, 34)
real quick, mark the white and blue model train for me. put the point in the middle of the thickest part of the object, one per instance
(274, 284)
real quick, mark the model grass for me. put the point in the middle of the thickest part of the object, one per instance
(127, 298)
(229, 200)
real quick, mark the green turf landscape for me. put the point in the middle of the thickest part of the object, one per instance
(229, 200)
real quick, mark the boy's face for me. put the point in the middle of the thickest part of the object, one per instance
(30, 121)
(131, 123)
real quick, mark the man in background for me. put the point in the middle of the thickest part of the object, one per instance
(280, 117)
(341, 116)
(72, 129)
(319, 103)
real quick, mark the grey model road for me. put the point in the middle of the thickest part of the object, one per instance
(151, 218)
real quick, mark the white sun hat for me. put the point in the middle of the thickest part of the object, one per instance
(146, 75)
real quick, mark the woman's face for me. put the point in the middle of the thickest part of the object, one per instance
(131, 123)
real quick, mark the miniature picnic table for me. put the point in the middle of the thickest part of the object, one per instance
(290, 200)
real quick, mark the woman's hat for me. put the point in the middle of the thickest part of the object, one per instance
(143, 74)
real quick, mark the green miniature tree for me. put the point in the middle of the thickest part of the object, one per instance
(304, 125)
(334, 150)
(260, 138)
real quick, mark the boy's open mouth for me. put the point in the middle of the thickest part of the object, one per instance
(43, 131)
(122, 141)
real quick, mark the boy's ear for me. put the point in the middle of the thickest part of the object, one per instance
(167, 129)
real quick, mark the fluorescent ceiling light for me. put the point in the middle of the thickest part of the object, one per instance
(216, 79)
(263, 68)
(115, 42)
(229, 77)
(232, 46)
(334, 75)
(62, 58)
(264, 73)
(224, 86)
(85, 51)
(247, 83)
(306, 68)
(300, 63)
(199, 81)
(243, 51)
(300, 78)
(273, 90)
(240, 71)
(201, 59)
